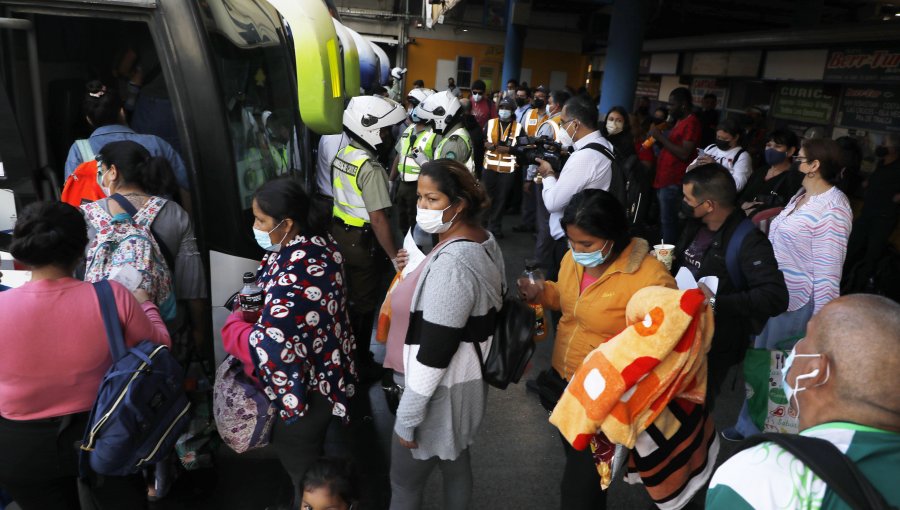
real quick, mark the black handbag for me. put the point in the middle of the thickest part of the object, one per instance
(512, 345)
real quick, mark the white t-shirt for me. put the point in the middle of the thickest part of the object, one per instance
(740, 169)
(329, 145)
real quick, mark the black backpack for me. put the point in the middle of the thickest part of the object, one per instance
(837, 470)
(625, 183)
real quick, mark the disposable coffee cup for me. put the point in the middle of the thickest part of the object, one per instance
(664, 254)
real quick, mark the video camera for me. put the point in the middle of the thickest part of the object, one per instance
(529, 149)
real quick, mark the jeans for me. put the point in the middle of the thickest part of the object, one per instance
(499, 187)
(409, 475)
(669, 205)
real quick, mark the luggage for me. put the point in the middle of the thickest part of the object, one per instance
(141, 407)
(243, 412)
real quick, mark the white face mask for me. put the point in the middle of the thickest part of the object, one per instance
(476, 97)
(547, 109)
(565, 138)
(504, 115)
(432, 221)
(613, 127)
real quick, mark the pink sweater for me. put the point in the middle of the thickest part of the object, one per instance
(54, 348)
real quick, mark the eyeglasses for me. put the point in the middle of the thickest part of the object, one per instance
(801, 159)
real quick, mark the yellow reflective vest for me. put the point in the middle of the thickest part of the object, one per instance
(424, 142)
(531, 120)
(463, 135)
(349, 206)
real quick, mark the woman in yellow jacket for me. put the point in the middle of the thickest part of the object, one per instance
(604, 267)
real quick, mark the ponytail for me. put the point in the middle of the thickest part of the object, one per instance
(137, 167)
(101, 105)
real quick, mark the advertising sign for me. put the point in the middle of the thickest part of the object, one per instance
(808, 103)
(874, 107)
(863, 64)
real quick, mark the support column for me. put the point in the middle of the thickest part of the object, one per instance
(623, 55)
(512, 53)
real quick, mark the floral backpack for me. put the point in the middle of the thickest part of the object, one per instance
(126, 239)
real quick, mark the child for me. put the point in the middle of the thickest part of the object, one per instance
(330, 484)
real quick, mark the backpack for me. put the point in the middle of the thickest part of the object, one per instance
(625, 183)
(129, 240)
(141, 407)
(82, 187)
(618, 184)
(733, 252)
(837, 470)
(512, 345)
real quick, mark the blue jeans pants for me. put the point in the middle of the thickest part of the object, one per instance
(669, 204)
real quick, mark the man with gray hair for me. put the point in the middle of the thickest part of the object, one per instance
(841, 382)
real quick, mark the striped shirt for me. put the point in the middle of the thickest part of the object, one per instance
(810, 245)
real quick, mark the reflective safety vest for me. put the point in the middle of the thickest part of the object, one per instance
(348, 200)
(463, 135)
(503, 163)
(553, 122)
(407, 165)
(531, 120)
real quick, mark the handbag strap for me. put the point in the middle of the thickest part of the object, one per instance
(837, 470)
(110, 319)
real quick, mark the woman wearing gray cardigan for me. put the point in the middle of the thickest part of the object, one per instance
(453, 297)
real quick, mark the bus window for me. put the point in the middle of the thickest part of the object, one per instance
(258, 90)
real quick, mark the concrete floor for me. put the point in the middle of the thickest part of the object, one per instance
(517, 458)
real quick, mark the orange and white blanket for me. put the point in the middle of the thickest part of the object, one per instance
(626, 384)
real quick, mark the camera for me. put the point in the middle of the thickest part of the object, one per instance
(528, 149)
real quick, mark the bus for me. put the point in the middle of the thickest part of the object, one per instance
(215, 75)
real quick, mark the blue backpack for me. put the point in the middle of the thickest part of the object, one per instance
(141, 406)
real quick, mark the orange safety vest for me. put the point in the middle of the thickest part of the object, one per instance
(532, 120)
(503, 163)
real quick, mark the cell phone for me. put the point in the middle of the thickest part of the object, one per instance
(701, 153)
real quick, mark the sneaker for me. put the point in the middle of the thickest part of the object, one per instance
(732, 434)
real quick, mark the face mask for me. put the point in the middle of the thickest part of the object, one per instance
(504, 115)
(775, 156)
(881, 152)
(547, 109)
(723, 145)
(476, 97)
(688, 210)
(791, 392)
(613, 127)
(565, 138)
(413, 116)
(264, 241)
(592, 259)
(520, 101)
(432, 221)
(538, 103)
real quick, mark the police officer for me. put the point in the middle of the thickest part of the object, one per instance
(499, 164)
(444, 111)
(415, 146)
(361, 201)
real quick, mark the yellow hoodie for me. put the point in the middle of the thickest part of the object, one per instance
(592, 318)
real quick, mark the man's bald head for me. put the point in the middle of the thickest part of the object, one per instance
(860, 334)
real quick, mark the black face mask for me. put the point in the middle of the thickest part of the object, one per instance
(723, 145)
(539, 103)
(520, 101)
(688, 211)
(881, 152)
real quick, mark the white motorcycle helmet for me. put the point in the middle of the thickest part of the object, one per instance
(365, 116)
(440, 108)
(416, 96)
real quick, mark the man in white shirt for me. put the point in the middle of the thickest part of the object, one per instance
(587, 168)
(329, 145)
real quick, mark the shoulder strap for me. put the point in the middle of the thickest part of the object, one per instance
(738, 155)
(711, 147)
(602, 149)
(110, 319)
(84, 149)
(837, 470)
(133, 212)
(732, 253)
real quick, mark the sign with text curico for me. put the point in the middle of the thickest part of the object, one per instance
(808, 103)
(863, 64)
(876, 108)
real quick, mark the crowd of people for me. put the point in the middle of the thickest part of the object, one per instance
(768, 215)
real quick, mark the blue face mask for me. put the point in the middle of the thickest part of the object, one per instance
(592, 259)
(775, 156)
(264, 241)
(791, 392)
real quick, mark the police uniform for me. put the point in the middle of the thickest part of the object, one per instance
(408, 170)
(457, 145)
(498, 175)
(360, 186)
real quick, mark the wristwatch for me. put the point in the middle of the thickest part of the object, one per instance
(712, 303)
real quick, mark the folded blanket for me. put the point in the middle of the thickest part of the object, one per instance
(626, 383)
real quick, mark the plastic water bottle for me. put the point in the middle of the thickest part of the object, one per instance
(534, 276)
(250, 298)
